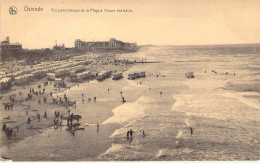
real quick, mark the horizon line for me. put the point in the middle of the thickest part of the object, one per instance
(202, 44)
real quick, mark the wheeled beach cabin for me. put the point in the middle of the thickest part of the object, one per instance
(131, 76)
(136, 75)
(189, 75)
(51, 76)
(103, 75)
(6, 83)
(117, 76)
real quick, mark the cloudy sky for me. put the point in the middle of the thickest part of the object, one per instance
(160, 22)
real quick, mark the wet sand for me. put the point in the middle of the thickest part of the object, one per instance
(18, 116)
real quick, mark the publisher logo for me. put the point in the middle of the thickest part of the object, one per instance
(13, 10)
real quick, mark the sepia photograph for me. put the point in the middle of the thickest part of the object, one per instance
(130, 80)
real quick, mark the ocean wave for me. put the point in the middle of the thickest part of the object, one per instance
(113, 148)
(249, 102)
(166, 152)
(128, 112)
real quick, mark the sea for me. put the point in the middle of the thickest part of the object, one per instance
(221, 104)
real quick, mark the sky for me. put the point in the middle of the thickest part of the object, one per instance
(157, 22)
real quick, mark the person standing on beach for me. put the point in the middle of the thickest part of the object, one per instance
(68, 124)
(29, 120)
(127, 134)
(11, 132)
(38, 117)
(71, 118)
(131, 133)
(4, 127)
(143, 135)
(191, 131)
(97, 127)
(45, 114)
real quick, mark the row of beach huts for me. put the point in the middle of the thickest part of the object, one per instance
(39, 71)
(57, 70)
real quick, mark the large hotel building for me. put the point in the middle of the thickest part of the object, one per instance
(9, 49)
(112, 44)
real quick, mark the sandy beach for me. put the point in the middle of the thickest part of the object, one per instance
(17, 117)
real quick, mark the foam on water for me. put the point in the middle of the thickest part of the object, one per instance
(187, 121)
(249, 102)
(166, 152)
(121, 131)
(127, 112)
(113, 148)
(161, 153)
(180, 133)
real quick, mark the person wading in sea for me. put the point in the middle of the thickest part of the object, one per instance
(97, 127)
(191, 131)
(143, 135)
(131, 133)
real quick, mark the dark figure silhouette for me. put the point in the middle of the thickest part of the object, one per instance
(123, 99)
(4, 127)
(29, 120)
(143, 135)
(131, 133)
(97, 127)
(38, 117)
(191, 131)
